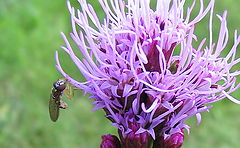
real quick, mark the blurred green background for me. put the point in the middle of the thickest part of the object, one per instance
(29, 36)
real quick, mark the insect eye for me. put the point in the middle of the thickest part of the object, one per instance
(59, 85)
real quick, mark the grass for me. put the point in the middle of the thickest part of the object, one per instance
(29, 36)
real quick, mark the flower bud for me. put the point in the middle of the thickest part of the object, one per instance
(133, 140)
(110, 141)
(174, 141)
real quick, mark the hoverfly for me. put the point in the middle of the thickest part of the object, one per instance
(55, 101)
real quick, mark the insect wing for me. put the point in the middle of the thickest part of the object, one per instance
(53, 109)
(69, 91)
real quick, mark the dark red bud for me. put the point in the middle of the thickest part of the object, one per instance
(174, 141)
(110, 141)
(133, 140)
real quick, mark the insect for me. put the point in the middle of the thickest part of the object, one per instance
(55, 102)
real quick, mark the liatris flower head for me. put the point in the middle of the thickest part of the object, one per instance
(142, 69)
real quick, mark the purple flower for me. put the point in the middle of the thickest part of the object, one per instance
(141, 68)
